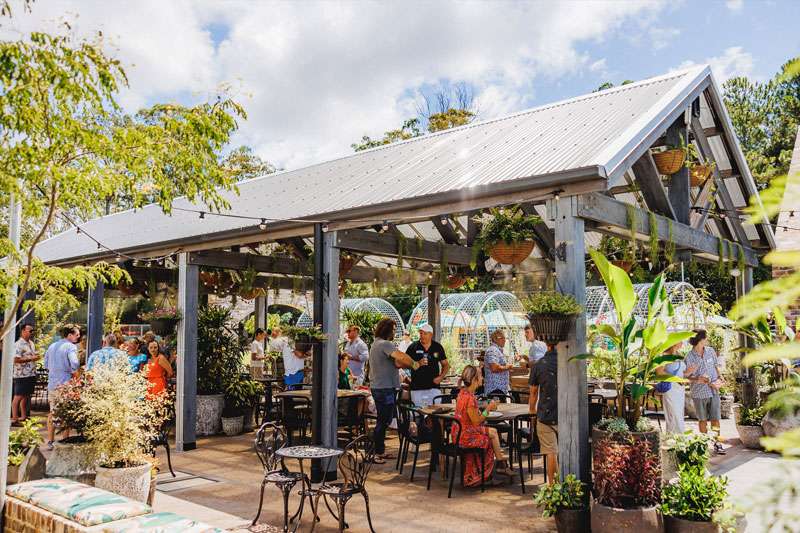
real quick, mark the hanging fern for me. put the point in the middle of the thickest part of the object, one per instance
(402, 248)
(653, 244)
(476, 252)
(740, 262)
(632, 227)
(669, 249)
(443, 271)
(721, 254)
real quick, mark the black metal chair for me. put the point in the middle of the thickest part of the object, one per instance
(405, 417)
(162, 438)
(442, 445)
(354, 465)
(275, 471)
(444, 398)
(295, 416)
(267, 410)
(503, 428)
(527, 443)
(656, 411)
(597, 411)
(349, 418)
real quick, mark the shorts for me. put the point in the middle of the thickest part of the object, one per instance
(51, 399)
(707, 408)
(24, 386)
(548, 438)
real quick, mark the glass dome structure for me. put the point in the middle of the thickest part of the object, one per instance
(353, 304)
(469, 318)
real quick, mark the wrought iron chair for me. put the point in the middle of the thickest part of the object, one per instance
(162, 438)
(406, 415)
(354, 465)
(527, 443)
(275, 471)
(441, 445)
(267, 410)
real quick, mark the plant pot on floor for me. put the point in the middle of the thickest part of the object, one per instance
(773, 425)
(31, 468)
(613, 520)
(574, 520)
(673, 524)
(750, 435)
(511, 254)
(249, 418)
(209, 414)
(232, 426)
(726, 405)
(71, 459)
(132, 482)
(552, 329)
(653, 439)
(163, 326)
(688, 407)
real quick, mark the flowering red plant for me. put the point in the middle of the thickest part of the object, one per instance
(173, 313)
(69, 408)
(627, 475)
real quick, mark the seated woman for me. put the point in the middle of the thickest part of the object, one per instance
(474, 435)
(344, 372)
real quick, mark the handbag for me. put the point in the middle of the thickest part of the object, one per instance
(663, 386)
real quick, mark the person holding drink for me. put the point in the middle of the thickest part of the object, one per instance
(425, 380)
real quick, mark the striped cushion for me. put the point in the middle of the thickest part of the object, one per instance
(159, 523)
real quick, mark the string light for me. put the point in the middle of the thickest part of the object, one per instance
(119, 257)
(443, 219)
(202, 215)
(324, 227)
(263, 224)
(557, 194)
(501, 209)
(99, 247)
(78, 230)
(385, 225)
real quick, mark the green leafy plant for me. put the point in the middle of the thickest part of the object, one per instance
(68, 406)
(643, 424)
(22, 440)
(509, 225)
(172, 313)
(241, 393)
(567, 493)
(751, 417)
(641, 345)
(365, 319)
(296, 332)
(669, 249)
(219, 349)
(605, 365)
(614, 248)
(613, 425)
(694, 496)
(689, 448)
(552, 303)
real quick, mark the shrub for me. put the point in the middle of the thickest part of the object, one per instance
(510, 225)
(552, 303)
(643, 424)
(694, 496)
(219, 350)
(23, 439)
(613, 425)
(626, 475)
(751, 417)
(564, 494)
(68, 406)
(688, 449)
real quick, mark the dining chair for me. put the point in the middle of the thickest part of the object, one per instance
(442, 445)
(295, 416)
(407, 415)
(527, 443)
(269, 439)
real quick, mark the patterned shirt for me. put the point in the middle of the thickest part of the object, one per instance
(99, 357)
(495, 380)
(23, 348)
(706, 367)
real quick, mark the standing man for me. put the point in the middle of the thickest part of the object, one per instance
(543, 402)
(257, 347)
(704, 395)
(293, 365)
(109, 350)
(276, 342)
(425, 379)
(498, 377)
(357, 350)
(61, 362)
(537, 350)
(24, 375)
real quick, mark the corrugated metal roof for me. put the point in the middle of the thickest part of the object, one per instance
(581, 133)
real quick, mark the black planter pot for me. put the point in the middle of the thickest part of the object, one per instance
(574, 520)
(552, 329)
(163, 326)
(304, 343)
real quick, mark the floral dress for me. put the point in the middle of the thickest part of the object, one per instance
(472, 436)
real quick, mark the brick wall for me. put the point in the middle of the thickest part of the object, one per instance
(22, 517)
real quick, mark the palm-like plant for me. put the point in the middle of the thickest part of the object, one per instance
(366, 319)
(641, 346)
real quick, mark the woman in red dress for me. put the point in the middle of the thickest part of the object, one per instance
(158, 370)
(474, 435)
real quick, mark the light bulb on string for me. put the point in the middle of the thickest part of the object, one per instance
(385, 225)
(78, 230)
(324, 227)
(443, 219)
(119, 258)
(202, 215)
(263, 224)
(99, 247)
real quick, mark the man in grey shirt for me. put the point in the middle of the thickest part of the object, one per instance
(384, 381)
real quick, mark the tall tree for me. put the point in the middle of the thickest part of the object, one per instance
(244, 165)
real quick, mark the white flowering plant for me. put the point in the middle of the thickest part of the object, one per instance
(121, 417)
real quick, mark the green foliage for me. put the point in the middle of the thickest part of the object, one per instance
(689, 449)
(613, 425)
(241, 393)
(510, 225)
(605, 364)
(243, 165)
(408, 130)
(626, 475)
(631, 216)
(694, 496)
(451, 118)
(614, 248)
(751, 417)
(219, 350)
(364, 318)
(653, 242)
(68, 406)
(643, 424)
(23, 439)
(551, 303)
(567, 493)
(669, 248)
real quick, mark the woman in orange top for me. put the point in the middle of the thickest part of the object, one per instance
(158, 370)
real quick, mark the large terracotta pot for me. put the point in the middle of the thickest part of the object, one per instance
(673, 524)
(72, 460)
(574, 520)
(133, 482)
(613, 520)
(209, 414)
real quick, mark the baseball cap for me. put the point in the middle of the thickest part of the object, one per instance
(427, 327)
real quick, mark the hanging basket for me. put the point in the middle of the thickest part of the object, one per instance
(303, 343)
(130, 289)
(249, 294)
(343, 287)
(669, 162)
(455, 281)
(698, 175)
(512, 254)
(346, 264)
(552, 329)
(163, 326)
(624, 264)
(216, 280)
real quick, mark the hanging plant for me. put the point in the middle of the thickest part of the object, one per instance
(402, 251)
(247, 290)
(473, 261)
(455, 281)
(507, 234)
(740, 261)
(653, 244)
(669, 249)
(617, 251)
(346, 262)
(721, 259)
(632, 227)
(419, 242)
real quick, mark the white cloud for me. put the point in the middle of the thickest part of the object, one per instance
(322, 74)
(660, 38)
(732, 63)
(735, 5)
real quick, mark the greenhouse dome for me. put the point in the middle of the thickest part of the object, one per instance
(353, 304)
(469, 318)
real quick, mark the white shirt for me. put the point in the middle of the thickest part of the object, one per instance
(403, 346)
(257, 349)
(277, 344)
(291, 363)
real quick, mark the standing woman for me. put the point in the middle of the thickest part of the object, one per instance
(675, 397)
(158, 369)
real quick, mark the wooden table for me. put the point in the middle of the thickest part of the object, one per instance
(508, 410)
(305, 393)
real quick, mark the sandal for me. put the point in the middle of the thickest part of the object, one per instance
(502, 467)
(378, 460)
(386, 455)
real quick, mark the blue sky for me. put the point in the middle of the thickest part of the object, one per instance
(316, 76)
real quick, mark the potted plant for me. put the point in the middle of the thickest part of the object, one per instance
(162, 321)
(617, 430)
(25, 460)
(627, 488)
(619, 252)
(552, 315)
(131, 288)
(748, 425)
(121, 418)
(699, 169)
(219, 361)
(346, 262)
(565, 501)
(241, 397)
(71, 456)
(726, 400)
(305, 338)
(687, 450)
(689, 503)
(507, 234)
(275, 359)
(670, 159)
(216, 279)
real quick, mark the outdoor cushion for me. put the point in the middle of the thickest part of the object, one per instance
(78, 502)
(159, 523)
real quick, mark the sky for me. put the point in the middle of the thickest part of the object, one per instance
(313, 77)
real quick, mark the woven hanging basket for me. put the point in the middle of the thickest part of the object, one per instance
(552, 329)
(131, 289)
(455, 281)
(512, 254)
(624, 264)
(346, 264)
(163, 326)
(669, 162)
(216, 280)
(698, 175)
(304, 343)
(249, 294)
(343, 287)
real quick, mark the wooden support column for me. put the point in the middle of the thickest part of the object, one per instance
(573, 416)
(94, 319)
(747, 375)
(260, 314)
(435, 311)
(679, 182)
(186, 394)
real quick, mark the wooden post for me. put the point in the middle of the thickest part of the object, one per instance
(679, 182)
(94, 319)
(747, 375)
(434, 311)
(573, 416)
(260, 314)
(186, 395)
